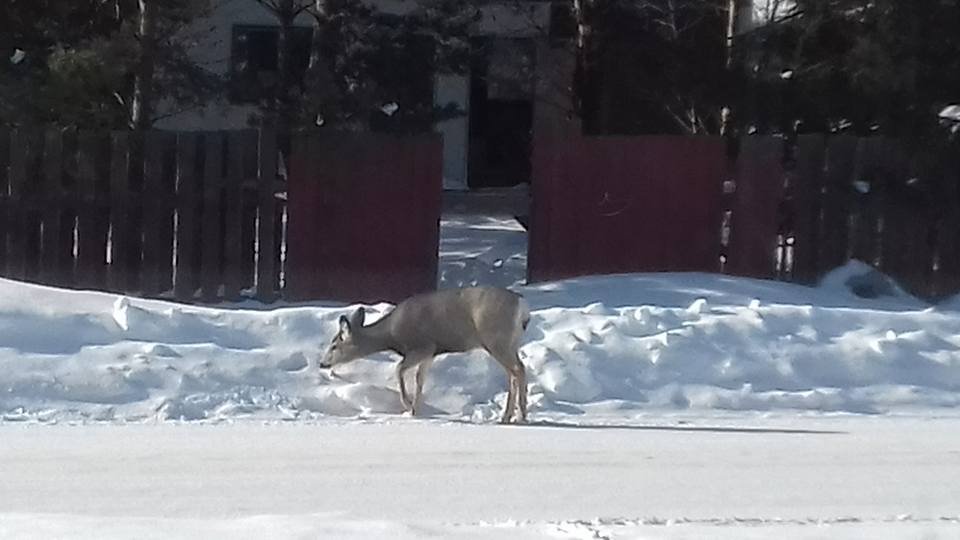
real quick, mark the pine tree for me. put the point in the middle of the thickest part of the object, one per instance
(878, 66)
(77, 63)
(368, 69)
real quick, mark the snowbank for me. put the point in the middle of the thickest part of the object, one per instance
(951, 112)
(611, 345)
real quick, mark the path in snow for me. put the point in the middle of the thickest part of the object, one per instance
(655, 478)
(482, 250)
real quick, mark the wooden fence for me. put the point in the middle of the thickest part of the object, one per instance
(800, 210)
(761, 208)
(364, 216)
(625, 204)
(206, 216)
(192, 216)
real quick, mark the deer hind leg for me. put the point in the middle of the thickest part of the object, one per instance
(520, 378)
(421, 376)
(405, 364)
(516, 385)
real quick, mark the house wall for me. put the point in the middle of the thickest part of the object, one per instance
(454, 89)
(210, 42)
(210, 45)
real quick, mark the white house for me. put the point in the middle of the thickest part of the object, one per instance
(484, 148)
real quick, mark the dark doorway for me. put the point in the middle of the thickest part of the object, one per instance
(501, 113)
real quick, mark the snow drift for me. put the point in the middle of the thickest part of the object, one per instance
(603, 345)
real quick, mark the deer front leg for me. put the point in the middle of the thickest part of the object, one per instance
(405, 364)
(508, 407)
(521, 381)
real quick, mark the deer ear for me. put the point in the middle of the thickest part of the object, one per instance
(356, 320)
(344, 327)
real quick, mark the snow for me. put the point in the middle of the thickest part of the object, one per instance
(18, 56)
(644, 476)
(671, 342)
(771, 11)
(666, 406)
(389, 108)
(951, 112)
(482, 249)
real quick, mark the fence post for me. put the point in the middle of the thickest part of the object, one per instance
(156, 216)
(237, 148)
(187, 197)
(906, 252)
(210, 228)
(868, 198)
(266, 271)
(51, 263)
(948, 240)
(807, 186)
(5, 223)
(760, 181)
(841, 160)
(91, 225)
(118, 277)
(23, 147)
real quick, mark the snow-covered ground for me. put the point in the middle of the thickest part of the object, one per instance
(662, 406)
(482, 249)
(668, 342)
(726, 477)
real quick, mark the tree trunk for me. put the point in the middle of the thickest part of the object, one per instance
(282, 98)
(142, 103)
(585, 85)
(739, 18)
(319, 79)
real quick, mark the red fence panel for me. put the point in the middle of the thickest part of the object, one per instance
(605, 205)
(759, 180)
(364, 215)
(807, 186)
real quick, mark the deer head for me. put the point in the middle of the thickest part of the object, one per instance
(345, 346)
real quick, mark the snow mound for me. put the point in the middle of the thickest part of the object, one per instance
(951, 112)
(863, 281)
(611, 345)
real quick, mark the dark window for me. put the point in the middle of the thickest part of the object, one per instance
(253, 61)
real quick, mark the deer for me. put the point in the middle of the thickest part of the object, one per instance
(448, 321)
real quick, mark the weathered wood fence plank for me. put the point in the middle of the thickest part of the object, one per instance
(188, 196)
(91, 225)
(200, 215)
(238, 145)
(760, 179)
(4, 195)
(119, 277)
(210, 237)
(267, 253)
(808, 182)
(52, 243)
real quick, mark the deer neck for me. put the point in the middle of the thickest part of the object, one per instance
(378, 336)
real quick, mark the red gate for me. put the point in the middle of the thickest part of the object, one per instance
(606, 205)
(364, 214)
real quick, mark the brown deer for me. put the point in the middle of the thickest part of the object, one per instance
(447, 321)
